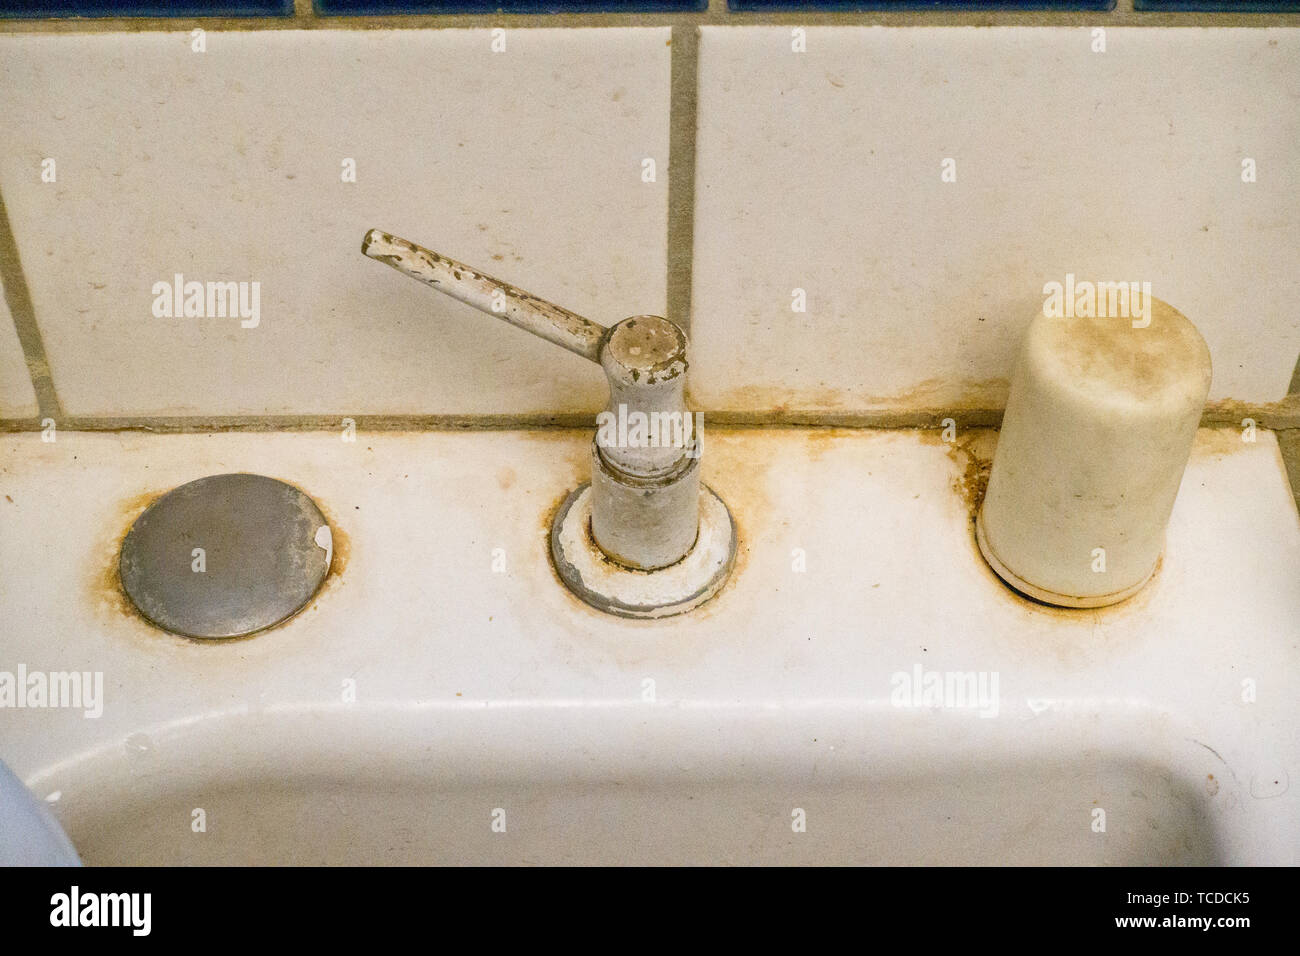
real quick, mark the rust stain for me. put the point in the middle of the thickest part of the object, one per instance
(942, 394)
(342, 542)
(817, 441)
(739, 477)
(973, 456)
(108, 596)
(111, 604)
(773, 398)
(544, 542)
(1219, 441)
(1230, 411)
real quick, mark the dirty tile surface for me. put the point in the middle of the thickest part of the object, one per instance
(823, 171)
(229, 165)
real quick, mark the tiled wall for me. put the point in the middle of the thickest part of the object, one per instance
(811, 167)
(824, 172)
(230, 165)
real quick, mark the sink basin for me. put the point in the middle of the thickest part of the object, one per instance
(619, 782)
(445, 699)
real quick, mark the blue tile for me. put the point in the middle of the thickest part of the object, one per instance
(362, 7)
(44, 9)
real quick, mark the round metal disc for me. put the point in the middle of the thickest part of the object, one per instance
(226, 556)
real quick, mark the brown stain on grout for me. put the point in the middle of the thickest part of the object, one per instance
(1276, 416)
(748, 407)
(952, 397)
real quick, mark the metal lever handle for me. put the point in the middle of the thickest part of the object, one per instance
(521, 309)
(644, 501)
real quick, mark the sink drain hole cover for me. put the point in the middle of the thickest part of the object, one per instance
(226, 556)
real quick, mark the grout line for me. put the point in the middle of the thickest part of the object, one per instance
(682, 114)
(189, 424)
(1289, 444)
(19, 299)
(1280, 416)
(305, 17)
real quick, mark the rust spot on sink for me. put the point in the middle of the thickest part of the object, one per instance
(974, 457)
(109, 598)
(1219, 441)
(820, 440)
(112, 605)
(342, 543)
(972, 453)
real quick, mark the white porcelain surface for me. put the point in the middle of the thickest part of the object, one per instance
(227, 165)
(17, 397)
(821, 171)
(479, 690)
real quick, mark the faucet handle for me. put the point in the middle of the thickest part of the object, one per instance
(645, 509)
(644, 356)
(521, 309)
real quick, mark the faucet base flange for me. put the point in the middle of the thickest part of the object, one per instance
(610, 587)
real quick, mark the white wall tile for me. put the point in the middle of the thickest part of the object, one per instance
(17, 397)
(225, 165)
(821, 171)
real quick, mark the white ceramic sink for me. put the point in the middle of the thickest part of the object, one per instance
(694, 739)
